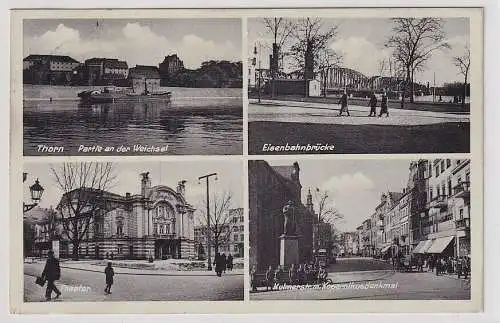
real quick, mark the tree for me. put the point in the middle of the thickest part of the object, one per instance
(463, 64)
(311, 39)
(220, 220)
(413, 41)
(84, 199)
(326, 214)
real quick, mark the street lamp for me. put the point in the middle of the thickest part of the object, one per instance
(207, 177)
(36, 191)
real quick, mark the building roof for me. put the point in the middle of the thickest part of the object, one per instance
(144, 71)
(284, 171)
(38, 215)
(396, 196)
(116, 64)
(59, 58)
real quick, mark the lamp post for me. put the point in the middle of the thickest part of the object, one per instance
(36, 191)
(207, 177)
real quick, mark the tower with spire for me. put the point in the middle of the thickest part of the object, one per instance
(309, 202)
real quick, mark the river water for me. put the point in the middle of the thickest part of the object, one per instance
(195, 122)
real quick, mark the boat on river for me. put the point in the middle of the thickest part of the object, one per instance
(113, 94)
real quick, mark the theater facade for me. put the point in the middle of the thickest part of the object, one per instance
(157, 222)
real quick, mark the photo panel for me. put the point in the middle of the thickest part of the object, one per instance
(359, 85)
(133, 231)
(98, 86)
(361, 229)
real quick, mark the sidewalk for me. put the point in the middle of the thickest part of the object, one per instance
(90, 267)
(307, 112)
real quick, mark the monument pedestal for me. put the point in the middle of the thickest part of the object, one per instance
(289, 250)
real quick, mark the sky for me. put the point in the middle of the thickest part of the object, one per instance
(355, 186)
(143, 42)
(229, 179)
(361, 44)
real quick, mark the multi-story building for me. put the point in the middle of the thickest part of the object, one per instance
(157, 222)
(102, 71)
(231, 234)
(270, 188)
(461, 181)
(49, 69)
(144, 78)
(418, 187)
(359, 240)
(366, 237)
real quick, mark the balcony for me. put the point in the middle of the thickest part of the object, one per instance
(462, 223)
(439, 202)
(164, 235)
(462, 190)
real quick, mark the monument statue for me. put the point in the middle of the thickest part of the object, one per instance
(289, 214)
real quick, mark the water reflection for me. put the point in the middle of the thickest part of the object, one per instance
(187, 130)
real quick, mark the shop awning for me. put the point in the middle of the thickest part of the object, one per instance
(440, 244)
(422, 246)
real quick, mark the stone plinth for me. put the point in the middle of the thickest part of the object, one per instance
(289, 250)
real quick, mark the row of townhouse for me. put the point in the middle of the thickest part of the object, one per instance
(431, 215)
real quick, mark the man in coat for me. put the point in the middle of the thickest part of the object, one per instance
(51, 273)
(343, 104)
(373, 106)
(383, 106)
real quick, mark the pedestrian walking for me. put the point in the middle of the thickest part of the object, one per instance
(219, 264)
(230, 262)
(292, 275)
(109, 272)
(383, 106)
(224, 262)
(373, 105)
(269, 278)
(51, 273)
(253, 278)
(343, 104)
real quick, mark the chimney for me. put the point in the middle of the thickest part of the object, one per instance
(181, 188)
(145, 184)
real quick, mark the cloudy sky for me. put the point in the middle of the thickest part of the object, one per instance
(229, 178)
(355, 186)
(143, 42)
(361, 43)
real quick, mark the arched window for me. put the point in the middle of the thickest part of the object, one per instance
(119, 228)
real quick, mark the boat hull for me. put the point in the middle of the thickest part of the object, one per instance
(99, 97)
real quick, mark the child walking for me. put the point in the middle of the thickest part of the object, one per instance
(109, 272)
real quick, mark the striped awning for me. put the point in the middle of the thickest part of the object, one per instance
(439, 244)
(422, 246)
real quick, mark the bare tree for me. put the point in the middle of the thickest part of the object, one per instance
(463, 64)
(280, 29)
(84, 186)
(220, 219)
(327, 215)
(413, 41)
(311, 38)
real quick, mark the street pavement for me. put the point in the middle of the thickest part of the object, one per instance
(322, 113)
(86, 283)
(363, 278)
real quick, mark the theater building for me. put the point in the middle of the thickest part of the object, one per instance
(156, 222)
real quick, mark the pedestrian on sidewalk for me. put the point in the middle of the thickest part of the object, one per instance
(219, 264)
(224, 262)
(51, 273)
(230, 262)
(373, 105)
(383, 106)
(343, 104)
(269, 278)
(109, 272)
(253, 278)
